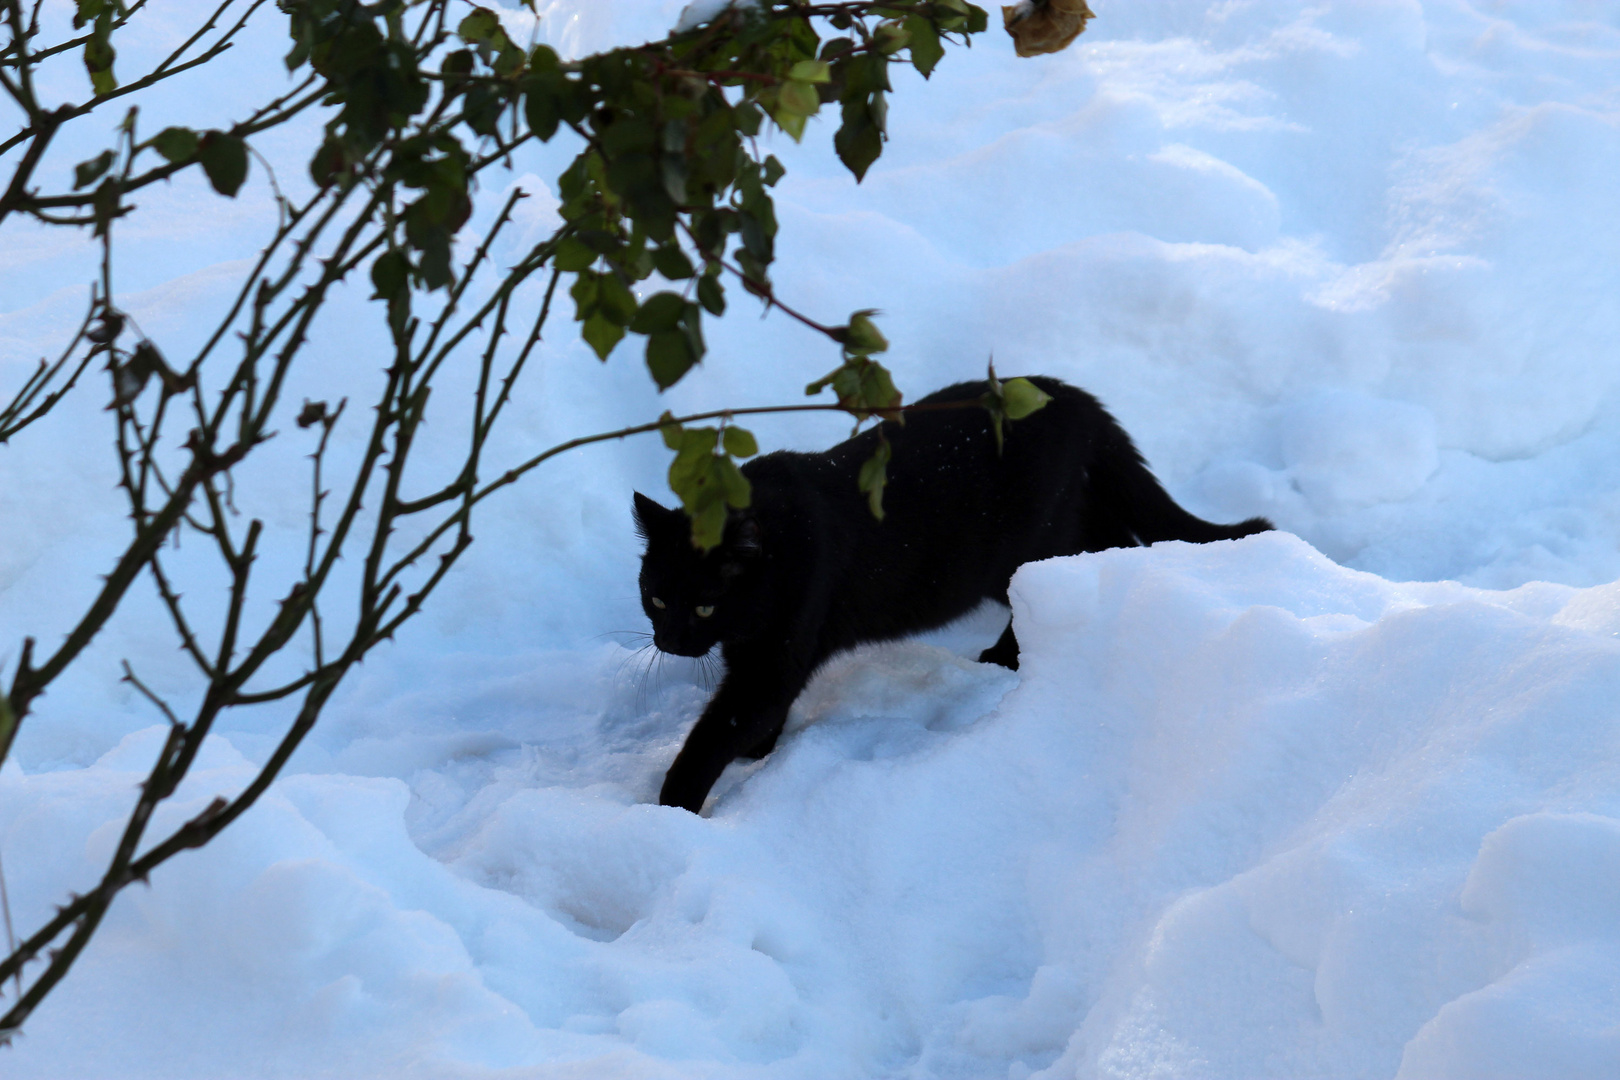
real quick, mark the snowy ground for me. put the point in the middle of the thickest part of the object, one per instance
(1339, 801)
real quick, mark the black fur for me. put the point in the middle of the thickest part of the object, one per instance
(807, 571)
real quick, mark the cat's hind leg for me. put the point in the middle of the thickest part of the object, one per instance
(1004, 651)
(765, 745)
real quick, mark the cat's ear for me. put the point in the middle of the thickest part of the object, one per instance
(748, 542)
(649, 515)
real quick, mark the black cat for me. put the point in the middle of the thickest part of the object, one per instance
(806, 571)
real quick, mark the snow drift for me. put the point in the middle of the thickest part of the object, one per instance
(1291, 806)
(1242, 812)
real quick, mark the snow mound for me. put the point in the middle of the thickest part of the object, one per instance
(1243, 812)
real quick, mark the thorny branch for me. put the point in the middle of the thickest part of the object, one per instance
(391, 191)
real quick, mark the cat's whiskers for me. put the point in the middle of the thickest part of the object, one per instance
(711, 668)
(631, 657)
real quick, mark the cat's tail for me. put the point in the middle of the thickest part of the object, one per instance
(1129, 506)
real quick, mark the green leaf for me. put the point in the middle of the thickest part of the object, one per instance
(798, 97)
(8, 719)
(748, 119)
(671, 261)
(389, 274)
(712, 295)
(739, 492)
(540, 107)
(225, 160)
(926, 50)
(790, 122)
(482, 25)
(669, 356)
(811, 71)
(862, 336)
(572, 254)
(102, 80)
(858, 142)
(773, 171)
(174, 143)
(601, 334)
(890, 37)
(709, 526)
(86, 173)
(978, 19)
(875, 476)
(660, 312)
(617, 302)
(586, 291)
(88, 11)
(670, 430)
(99, 53)
(863, 387)
(672, 170)
(434, 244)
(1020, 398)
(739, 442)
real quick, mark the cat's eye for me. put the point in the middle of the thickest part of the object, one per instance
(657, 603)
(705, 610)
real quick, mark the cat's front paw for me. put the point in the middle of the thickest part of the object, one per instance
(677, 792)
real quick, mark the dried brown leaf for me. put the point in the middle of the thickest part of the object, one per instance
(1045, 26)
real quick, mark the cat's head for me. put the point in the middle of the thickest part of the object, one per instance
(696, 599)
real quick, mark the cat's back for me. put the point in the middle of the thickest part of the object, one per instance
(946, 453)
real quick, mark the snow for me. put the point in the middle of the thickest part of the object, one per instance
(1337, 801)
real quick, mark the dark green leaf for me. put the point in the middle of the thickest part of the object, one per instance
(748, 119)
(540, 107)
(434, 243)
(670, 261)
(586, 291)
(509, 59)
(926, 50)
(174, 143)
(669, 356)
(105, 207)
(858, 142)
(601, 334)
(88, 11)
(756, 240)
(225, 160)
(672, 168)
(659, 313)
(712, 295)
(86, 173)
(617, 302)
(874, 477)
(389, 274)
(482, 25)
(773, 171)
(457, 63)
(572, 254)
(98, 60)
(543, 58)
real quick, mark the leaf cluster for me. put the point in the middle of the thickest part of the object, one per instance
(706, 476)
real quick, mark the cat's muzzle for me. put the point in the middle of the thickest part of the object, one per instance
(681, 648)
